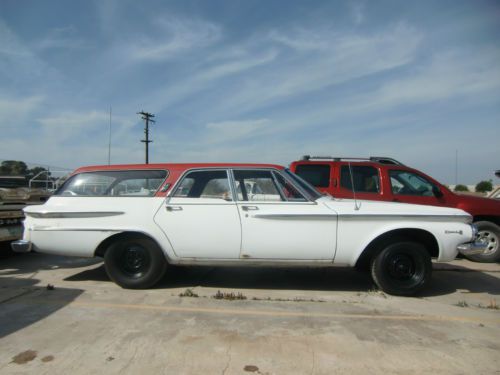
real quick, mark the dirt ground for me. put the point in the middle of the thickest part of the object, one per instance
(62, 315)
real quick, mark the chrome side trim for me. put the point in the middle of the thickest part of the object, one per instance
(404, 216)
(68, 229)
(295, 216)
(73, 215)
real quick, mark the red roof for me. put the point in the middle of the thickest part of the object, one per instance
(175, 169)
(173, 166)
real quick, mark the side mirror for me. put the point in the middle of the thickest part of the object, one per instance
(437, 193)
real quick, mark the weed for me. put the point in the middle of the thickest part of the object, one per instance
(188, 293)
(230, 296)
(462, 304)
(492, 305)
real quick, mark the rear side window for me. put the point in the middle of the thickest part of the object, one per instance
(317, 175)
(204, 184)
(143, 183)
(365, 178)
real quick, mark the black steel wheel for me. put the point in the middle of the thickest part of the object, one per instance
(402, 268)
(135, 262)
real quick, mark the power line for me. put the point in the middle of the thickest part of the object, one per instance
(147, 117)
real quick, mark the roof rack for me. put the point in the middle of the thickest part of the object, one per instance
(376, 159)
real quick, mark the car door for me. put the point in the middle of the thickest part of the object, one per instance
(200, 217)
(278, 222)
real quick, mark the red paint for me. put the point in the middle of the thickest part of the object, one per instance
(480, 208)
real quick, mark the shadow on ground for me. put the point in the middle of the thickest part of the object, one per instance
(444, 281)
(23, 304)
(29, 263)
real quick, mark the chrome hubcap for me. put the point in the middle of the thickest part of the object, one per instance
(490, 239)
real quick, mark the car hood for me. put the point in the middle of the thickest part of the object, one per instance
(472, 200)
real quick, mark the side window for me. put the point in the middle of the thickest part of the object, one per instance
(409, 183)
(114, 183)
(365, 178)
(256, 186)
(204, 184)
(317, 175)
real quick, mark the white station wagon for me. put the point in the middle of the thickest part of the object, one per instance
(142, 218)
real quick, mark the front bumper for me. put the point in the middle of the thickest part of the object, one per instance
(21, 246)
(471, 248)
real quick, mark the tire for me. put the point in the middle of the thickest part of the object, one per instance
(402, 268)
(135, 262)
(491, 233)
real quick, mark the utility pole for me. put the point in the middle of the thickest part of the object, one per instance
(109, 140)
(147, 117)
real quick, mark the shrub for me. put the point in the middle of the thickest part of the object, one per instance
(484, 186)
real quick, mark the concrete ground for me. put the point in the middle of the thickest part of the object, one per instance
(63, 316)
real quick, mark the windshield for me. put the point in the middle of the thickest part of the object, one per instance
(306, 187)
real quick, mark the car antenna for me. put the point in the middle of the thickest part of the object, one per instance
(356, 207)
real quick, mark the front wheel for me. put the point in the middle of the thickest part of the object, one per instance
(402, 268)
(135, 262)
(489, 233)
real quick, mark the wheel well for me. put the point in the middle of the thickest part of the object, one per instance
(415, 235)
(103, 246)
(492, 219)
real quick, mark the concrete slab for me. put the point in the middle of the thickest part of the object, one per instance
(292, 321)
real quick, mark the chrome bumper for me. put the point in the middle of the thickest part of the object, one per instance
(471, 248)
(21, 246)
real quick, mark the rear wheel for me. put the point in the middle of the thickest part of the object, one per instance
(489, 233)
(402, 268)
(135, 262)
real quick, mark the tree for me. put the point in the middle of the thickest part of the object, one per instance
(36, 170)
(460, 187)
(484, 186)
(13, 168)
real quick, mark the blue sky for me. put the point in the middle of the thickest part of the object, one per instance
(253, 81)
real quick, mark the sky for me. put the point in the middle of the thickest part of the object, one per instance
(253, 81)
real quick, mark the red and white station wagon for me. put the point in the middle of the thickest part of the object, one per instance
(142, 218)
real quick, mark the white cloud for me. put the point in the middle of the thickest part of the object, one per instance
(173, 36)
(234, 130)
(18, 108)
(61, 38)
(323, 59)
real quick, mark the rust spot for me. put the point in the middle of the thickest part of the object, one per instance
(251, 368)
(48, 358)
(24, 357)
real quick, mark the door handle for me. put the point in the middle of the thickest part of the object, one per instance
(249, 208)
(174, 208)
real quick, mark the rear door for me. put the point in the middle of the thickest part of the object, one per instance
(200, 218)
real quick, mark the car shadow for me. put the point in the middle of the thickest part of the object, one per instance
(444, 280)
(23, 303)
(447, 279)
(28, 263)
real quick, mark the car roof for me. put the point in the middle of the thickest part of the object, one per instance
(172, 166)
